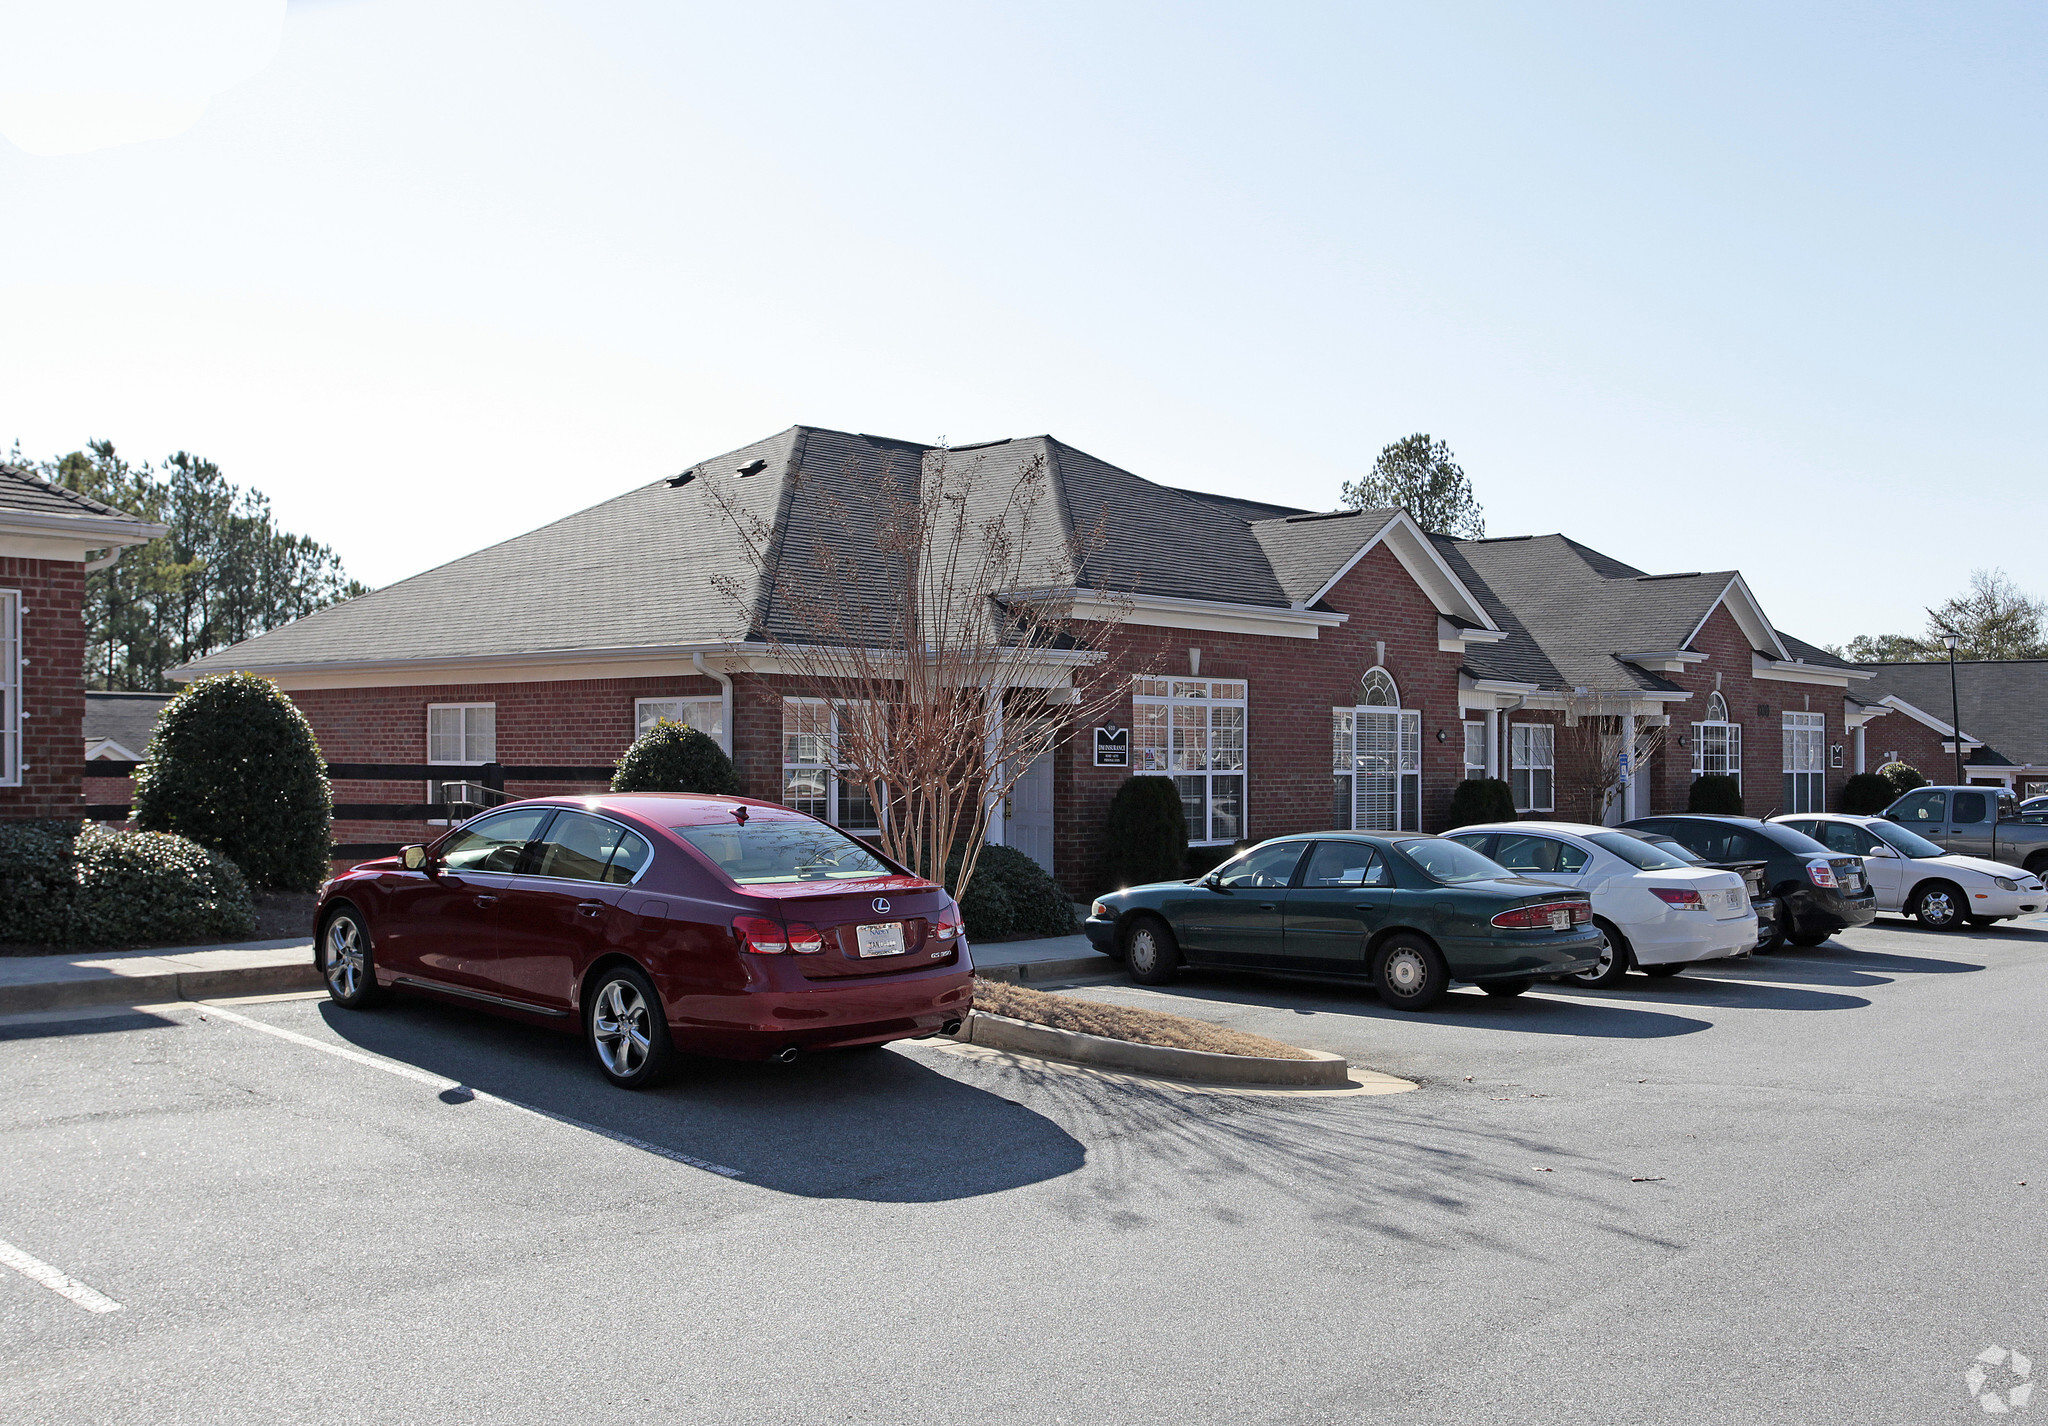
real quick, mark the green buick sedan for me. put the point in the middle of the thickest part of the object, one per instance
(1409, 914)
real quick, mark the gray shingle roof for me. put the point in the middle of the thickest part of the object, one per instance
(2004, 703)
(128, 718)
(25, 490)
(1306, 550)
(1246, 510)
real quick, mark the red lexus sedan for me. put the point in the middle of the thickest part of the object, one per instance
(663, 923)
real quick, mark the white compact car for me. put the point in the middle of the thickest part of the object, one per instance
(1915, 877)
(1660, 914)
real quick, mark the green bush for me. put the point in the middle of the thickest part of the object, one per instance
(79, 884)
(1146, 831)
(234, 766)
(670, 757)
(1715, 792)
(1481, 799)
(1903, 777)
(1867, 793)
(1011, 895)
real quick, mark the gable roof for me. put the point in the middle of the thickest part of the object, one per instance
(2004, 703)
(42, 520)
(125, 719)
(661, 569)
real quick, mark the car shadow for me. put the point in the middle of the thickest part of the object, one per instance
(1841, 956)
(1725, 992)
(102, 1022)
(1527, 1014)
(875, 1126)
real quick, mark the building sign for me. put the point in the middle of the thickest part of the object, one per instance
(1112, 746)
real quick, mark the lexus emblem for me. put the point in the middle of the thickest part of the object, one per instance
(881, 906)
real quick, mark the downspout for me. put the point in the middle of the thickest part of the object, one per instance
(724, 681)
(105, 561)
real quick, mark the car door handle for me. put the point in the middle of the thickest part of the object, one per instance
(487, 901)
(590, 908)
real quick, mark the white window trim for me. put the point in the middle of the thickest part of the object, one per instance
(1243, 772)
(1806, 739)
(1517, 764)
(640, 705)
(1483, 726)
(11, 751)
(1344, 760)
(434, 788)
(1731, 744)
(831, 769)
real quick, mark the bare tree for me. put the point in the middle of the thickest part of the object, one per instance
(1593, 738)
(936, 621)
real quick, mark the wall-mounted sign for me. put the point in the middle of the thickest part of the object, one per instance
(1112, 746)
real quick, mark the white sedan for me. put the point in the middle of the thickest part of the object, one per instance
(1660, 914)
(1915, 877)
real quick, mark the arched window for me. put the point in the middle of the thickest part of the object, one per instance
(1717, 743)
(1378, 759)
(1380, 691)
(1717, 708)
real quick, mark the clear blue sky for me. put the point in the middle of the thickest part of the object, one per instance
(1751, 286)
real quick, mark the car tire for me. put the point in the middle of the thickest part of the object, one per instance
(1664, 972)
(1150, 952)
(348, 958)
(1614, 962)
(1984, 922)
(1939, 906)
(626, 1028)
(1809, 939)
(1776, 941)
(1410, 972)
(1507, 989)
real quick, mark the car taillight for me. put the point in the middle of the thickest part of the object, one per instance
(1537, 918)
(805, 940)
(1680, 897)
(947, 924)
(1820, 874)
(761, 936)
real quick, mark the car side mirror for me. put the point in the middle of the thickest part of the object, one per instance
(1213, 882)
(1880, 852)
(1894, 817)
(415, 857)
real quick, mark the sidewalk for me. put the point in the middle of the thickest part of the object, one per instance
(276, 967)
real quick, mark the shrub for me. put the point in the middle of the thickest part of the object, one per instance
(100, 886)
(1011, 895)
(1203, 860)
(1867, 793)
(1715, 792)
(1147, 834)
(670, 757)
(235, 767)
(1481, 799)
(1903, 777)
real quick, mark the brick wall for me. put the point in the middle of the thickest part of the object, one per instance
(1915, 743)
(53, 686)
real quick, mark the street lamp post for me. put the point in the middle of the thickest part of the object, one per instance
(1955, 713)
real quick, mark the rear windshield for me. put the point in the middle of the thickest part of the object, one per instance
(1793, 841)
(1636, 852)
(758, 852)
(1677, 849)
(1451, 862)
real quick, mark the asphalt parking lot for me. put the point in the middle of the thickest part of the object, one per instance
(1791, 1191)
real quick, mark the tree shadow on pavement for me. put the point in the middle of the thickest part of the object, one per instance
(877, 1126)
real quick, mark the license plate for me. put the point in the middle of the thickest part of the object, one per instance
(883, 940)
(1560, 920)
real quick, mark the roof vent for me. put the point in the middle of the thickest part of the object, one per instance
(684, 479)
(1320, 515)
(752, 467)
(1647, 578)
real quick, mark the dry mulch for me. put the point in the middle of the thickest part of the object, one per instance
(1117, 1022)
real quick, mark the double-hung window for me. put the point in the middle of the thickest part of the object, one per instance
(10, 688)
(1806, 779)
(706, 715)
(1475, 749)
(1532, 766)
(1193, 730)
(811, 771)
(461, 735)
(1717, 743)
(1376, 760)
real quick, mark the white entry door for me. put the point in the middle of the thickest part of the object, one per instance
(1027, 820)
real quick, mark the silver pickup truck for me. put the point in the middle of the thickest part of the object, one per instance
(1976, 822)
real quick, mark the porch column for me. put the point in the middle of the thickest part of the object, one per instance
(1859, 749)
(1496, 737)
(1635, 774)
(994, 725)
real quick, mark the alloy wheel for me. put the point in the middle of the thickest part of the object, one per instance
(345, 960)
(1406, 972)
(621, 1028)
(1937, 908)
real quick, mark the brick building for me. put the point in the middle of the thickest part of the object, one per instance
(50, 538)
(1291, 669)
(2003, 706)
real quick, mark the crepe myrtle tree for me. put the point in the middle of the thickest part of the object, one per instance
(1591, 739)
(931, 623)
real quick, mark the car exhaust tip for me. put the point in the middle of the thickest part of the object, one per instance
(786, 1055)
(951, 1027)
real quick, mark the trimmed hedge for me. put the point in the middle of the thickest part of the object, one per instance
(670, 757)
(1903, 777)
(1867, 794)
(80, 884)
(1717, 793)
(1011, 895)
(234, 766)
(1481, 799)
(1146, 831)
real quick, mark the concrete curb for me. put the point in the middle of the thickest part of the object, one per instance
(999, 1032)
(77, 986)
(1078, 967)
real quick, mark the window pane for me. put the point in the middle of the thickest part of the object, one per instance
(1540, 790)
(1340, 801)
(1226, 809)
(653, 710)
(769, 851)
(493, 843)
(578, 847)
(1340, 742)
(805, 790)
(1190, 740)
(1226, 750)
(1194, 802)
(1475, 750)
(633, 854)
(480, 734)
(1226, 690)
(1269, 868)
(1343, 864)
(1186, 689)
(1148, 687)
(444, 735)
(806, 733)
(1148, 737)
(856, 808)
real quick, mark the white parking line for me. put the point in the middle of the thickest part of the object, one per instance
(439, 1083)
(63, 1284)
